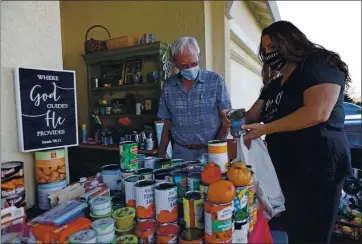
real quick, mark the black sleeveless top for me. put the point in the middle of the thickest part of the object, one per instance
(321, 151)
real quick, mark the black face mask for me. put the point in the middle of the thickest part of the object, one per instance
(275, 60)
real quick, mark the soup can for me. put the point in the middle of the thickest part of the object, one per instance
(147, 173)
(146, 231)
(130, 190)
(124, 175)
(149, 162)
(218, 222)
(163, 163)
(179, 178)
(193, 204)
(193, 181)
(167, 233)
(218, 154)
(161, 175)
(191, 236)
(166, 202)
(145, 199)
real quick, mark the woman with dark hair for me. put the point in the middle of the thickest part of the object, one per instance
(301, 108)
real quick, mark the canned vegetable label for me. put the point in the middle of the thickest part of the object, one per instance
(128, 155)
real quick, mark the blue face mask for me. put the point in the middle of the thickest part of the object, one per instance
(190, 73)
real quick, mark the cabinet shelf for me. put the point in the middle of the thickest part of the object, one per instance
(127, 87)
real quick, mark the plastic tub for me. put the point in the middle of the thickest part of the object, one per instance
(120, 232)
(107, 238)
(124, 217)
(83, 236)
(101, 202)
(127, 239)
(103, 226)
(104, 211)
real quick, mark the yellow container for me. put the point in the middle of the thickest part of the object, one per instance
(50, 166)
(124, 217)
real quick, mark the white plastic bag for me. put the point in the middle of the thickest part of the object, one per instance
(265, 178)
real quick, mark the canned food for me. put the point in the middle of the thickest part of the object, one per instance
(141, 160)
(163, 163)
(128, 151)
(193, 204)
(194, 168)
(176, 167)
(167, 233)
(145, 199)
(124, 175)
(179, 178)
(149, 162)
(191, 163)
(166, 202)
(193, 181)
(130, 190)
(175, 162)
(147, 173)
(240, 231)
(161, 175)
(203, 189)
(146, 231)
(218, 222)
(218, 154)
(241, 203)
(191, 236)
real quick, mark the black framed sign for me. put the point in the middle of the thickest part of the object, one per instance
(46, 108)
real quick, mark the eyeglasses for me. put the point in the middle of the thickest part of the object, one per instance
(187, 66)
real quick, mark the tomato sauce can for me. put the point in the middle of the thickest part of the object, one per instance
(146, 232)
(166, 202)
(191, 236)
(147, 173)
(145, 199)
(167, 233)
(193, 181)
(193, 204)
(130, 195)
(218, 222)
(179, 178)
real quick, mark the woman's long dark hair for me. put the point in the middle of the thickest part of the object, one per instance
(295, 47)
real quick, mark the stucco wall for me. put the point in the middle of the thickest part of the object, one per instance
(245, 67)
(167, 20)
(30, 37)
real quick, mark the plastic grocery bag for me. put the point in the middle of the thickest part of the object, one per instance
(266, 181)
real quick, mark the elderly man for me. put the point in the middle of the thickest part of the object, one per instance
(191, 104)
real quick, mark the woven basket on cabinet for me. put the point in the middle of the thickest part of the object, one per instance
(93, 45)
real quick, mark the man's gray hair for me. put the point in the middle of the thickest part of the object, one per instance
(185, 43)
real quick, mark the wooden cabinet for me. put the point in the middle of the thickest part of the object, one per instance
(113, 68)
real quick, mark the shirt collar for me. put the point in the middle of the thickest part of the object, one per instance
(177, 78)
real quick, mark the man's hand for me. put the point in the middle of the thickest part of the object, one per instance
(226, 123)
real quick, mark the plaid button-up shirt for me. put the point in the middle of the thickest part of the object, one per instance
(194, 115)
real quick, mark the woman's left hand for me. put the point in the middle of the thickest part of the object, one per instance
(254, 131)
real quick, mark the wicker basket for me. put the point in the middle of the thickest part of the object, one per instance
(122, 41)
(93, 45)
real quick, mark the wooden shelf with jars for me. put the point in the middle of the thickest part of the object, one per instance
(118, 79)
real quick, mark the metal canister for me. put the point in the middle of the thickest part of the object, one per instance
(241, 204)
(145, 199)
(141, 161)
(191, 236)
(128, 151)
(149, 162)
(146, 232)
(124, 175)
(163, 163)
(218, 222)
(166, 202)
(193, 181)
(161, 175)
(167, 233)
(130, 189)
(179, 178)
(193, 204)
(146, 173)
